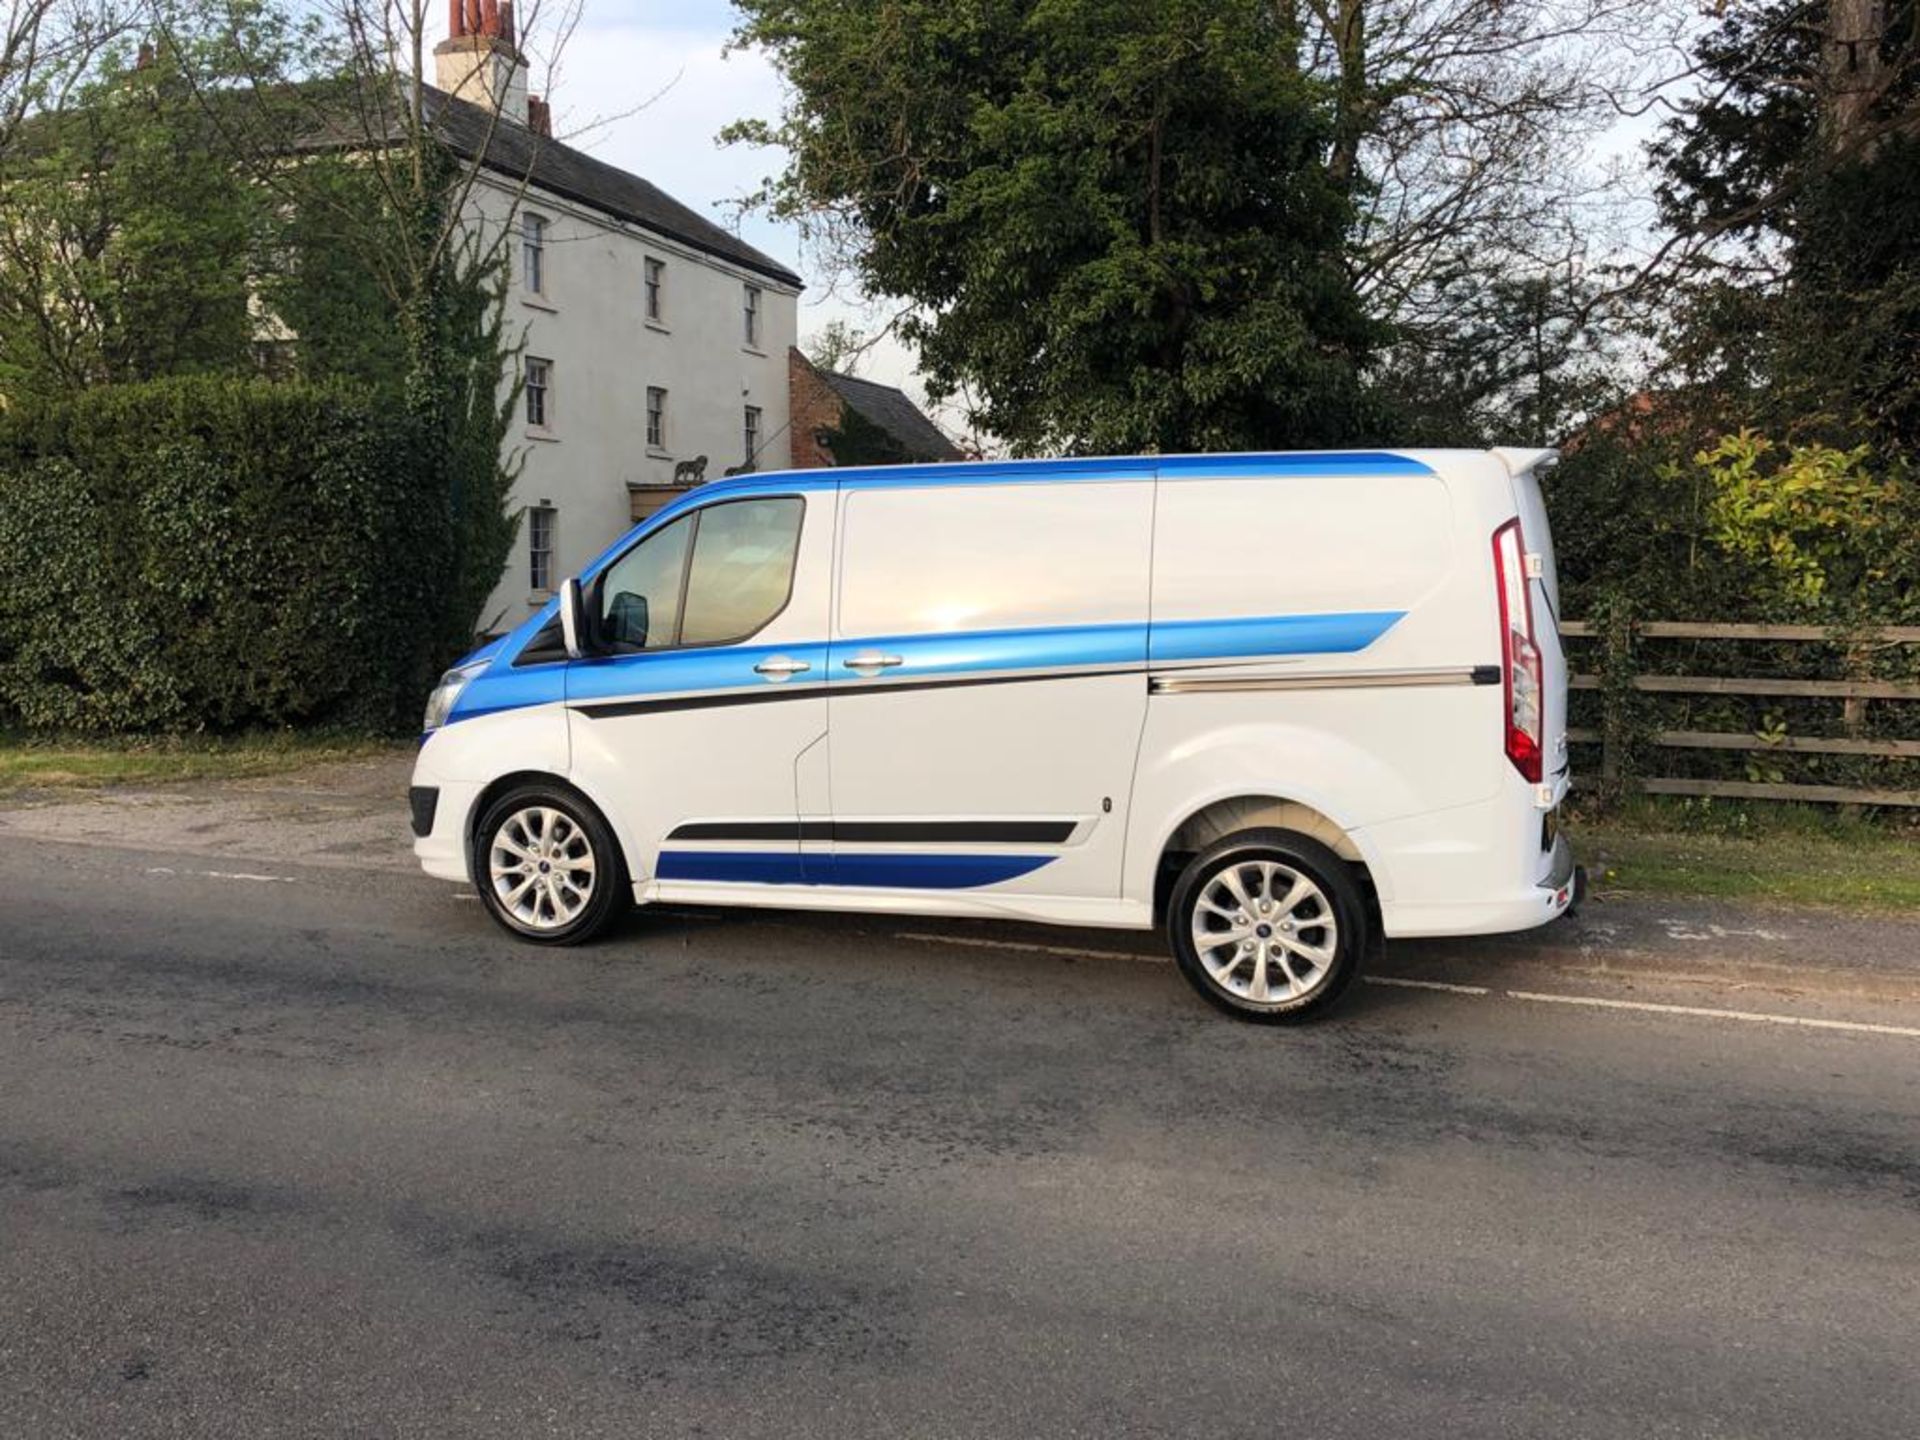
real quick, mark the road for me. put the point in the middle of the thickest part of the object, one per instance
(294, 1150)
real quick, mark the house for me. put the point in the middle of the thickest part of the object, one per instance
(844, 420)
(656, 344)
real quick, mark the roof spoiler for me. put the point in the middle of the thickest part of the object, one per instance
(1519, 461)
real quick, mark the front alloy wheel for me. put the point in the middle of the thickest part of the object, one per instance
(547, 867)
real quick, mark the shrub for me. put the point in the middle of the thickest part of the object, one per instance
(215, 553)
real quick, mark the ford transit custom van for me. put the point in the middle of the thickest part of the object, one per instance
(1285, 706)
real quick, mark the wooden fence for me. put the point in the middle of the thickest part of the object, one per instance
(1855, 693)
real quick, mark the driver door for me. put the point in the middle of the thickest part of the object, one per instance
(698, 725)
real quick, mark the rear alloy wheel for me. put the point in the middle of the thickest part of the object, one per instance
(547, 868)
(1268, 925)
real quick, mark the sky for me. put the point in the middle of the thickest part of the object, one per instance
(643, 84)
(647, 85)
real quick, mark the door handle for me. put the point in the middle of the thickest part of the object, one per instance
(779, 667)
(871, 660)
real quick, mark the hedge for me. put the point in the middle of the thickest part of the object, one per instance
(216, 553)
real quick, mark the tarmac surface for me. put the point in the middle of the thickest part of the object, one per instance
(293, 1143)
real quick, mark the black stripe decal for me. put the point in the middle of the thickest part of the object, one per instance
(608, 709)
(913, 832)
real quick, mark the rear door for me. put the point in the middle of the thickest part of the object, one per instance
(1544, 589)
(987, 682)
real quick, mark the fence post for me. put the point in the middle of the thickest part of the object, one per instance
(1853, 710)
(1613, 716)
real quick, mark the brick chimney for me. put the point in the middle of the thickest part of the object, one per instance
(480, 61)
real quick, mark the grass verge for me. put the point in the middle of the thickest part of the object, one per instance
(30, 763)
(1788, 855)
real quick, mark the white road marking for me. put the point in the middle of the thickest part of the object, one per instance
(1703, 1012)
(1686, 930)
(1697, 1012)
(222, 875)
(1028, 947)
(1408, 984)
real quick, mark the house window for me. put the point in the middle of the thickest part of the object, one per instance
(656, 418)
(656, 285)
(539, 393)
(751, 315)
(533, 253)
(540, 547)
(751, 432)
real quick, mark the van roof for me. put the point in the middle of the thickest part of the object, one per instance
(1291, 462)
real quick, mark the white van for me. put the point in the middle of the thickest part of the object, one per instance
(1283, 704)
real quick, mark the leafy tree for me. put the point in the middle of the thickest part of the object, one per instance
(126, 243)
(1793, 188)
(1518, 358)
(1112, 217)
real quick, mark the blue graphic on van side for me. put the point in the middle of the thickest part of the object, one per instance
(730, 669)
(1269, 635)
(889, 871)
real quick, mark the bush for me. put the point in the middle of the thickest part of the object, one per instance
(214, 553)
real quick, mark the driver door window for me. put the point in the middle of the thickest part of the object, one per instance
(640, 598)
(715, 577)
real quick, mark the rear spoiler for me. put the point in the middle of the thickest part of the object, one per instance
(1519, 461)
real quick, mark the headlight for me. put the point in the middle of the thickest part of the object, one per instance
(440, 703)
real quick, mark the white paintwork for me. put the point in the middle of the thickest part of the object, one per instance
(1401, 767)
(1244, 545)
(590, 322)
(914, 563)
(462, 760)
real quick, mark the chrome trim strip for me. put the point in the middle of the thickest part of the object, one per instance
(1326, 680)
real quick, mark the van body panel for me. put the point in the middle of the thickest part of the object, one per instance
(1545, 591)
(1003, 689)
(970, 585)
(462, 760)
(638, 722)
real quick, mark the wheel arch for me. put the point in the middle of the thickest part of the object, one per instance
(1231, 814)
(501, 784)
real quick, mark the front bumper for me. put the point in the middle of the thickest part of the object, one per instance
(442, 848)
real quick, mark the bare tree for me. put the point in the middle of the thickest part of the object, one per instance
(1460, 127)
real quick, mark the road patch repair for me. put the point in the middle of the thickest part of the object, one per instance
(1792, 966)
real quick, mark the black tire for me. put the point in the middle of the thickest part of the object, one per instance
(603, 891)
(1239, 971)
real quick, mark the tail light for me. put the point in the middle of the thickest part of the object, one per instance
(1519, 655)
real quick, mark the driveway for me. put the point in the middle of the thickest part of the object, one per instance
(293, 1143)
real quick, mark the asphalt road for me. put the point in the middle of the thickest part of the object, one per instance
(323, 1155)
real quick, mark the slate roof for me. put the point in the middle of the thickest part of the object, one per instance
(559, 169)
(325, 116)
(890, 409)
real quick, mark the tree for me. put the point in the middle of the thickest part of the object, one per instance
(128, 237)
(1457, 132)
(1111, 218)
(1792, 182)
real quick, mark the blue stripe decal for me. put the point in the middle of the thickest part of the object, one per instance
(1294, 466)
(1269, 635)
(987, 650)
(730, 668)
(894, 871)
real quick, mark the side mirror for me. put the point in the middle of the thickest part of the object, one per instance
(627, 620)
(573, 619)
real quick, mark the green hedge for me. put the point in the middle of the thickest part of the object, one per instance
(213, 553)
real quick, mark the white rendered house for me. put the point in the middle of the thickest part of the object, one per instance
(653, 338)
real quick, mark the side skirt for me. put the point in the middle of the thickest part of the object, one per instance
(1045, 909)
